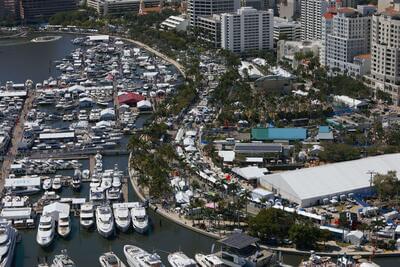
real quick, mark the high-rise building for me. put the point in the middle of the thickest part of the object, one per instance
(385, 52)
(346, 40)
(311, 12)
(206, 8)
(38, 10)
(247, 30)
(9, 9)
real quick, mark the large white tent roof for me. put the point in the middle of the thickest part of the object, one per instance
(333, 178)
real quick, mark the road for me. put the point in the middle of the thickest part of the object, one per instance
(16, 138)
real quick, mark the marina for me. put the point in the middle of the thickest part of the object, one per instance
(159, 232)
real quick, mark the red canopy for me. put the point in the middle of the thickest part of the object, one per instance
(130, 98)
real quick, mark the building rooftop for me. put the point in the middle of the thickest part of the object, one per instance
(264, 134)
(238, 240)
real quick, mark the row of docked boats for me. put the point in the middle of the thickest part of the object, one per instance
(121, 217)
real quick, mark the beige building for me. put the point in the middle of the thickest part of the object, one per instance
(385, 52)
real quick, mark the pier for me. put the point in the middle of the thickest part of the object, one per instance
(16, 138)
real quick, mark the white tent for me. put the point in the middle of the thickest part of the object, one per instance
(55, 209)
(356, 238)
(250, 172)
(310, 186)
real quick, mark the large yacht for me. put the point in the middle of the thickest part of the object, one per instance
(140, 219)
(122, 218)
(87, 215)
(105, 220)
(8, 239)
(109, 259)
(137, 257)
(64, 225)
(179, 259)
(46, 229)
(208, 260)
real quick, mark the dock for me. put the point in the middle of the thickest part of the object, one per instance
(16, 139)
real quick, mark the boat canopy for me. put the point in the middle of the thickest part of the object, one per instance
(17, 182)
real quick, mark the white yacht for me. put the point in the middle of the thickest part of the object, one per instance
(113, 193)
(63, 260)
(208, 260)
(138, 257)
(105, 220)
(109, 259)
(8, 240)
(140, 219)
(56, 185)
(87, 215)
(179, 259)
(64, 225)
(46, 229)
(46, 184)
(122, 218)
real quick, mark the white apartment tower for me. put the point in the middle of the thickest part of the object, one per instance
(206, 8)
(247, 30)
(311, 12)
(385, 52)
(346, 40)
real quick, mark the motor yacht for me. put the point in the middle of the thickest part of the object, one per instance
(109, 259)
(208, 260)
(113, 193)
(64, 225)
(47, 184)
(105, 220)
(138, 257)
(56, 185)
(8, 240)
(122, 218)
(179, 259)
(87, 215)
(140, 219)
(63, 260)
(46, 229)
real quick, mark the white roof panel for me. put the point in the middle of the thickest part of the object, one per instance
(22, 182)
(333, 178)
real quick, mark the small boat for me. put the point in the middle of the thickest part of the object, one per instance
(140, 219)
(208, 260)
(87, 215)
(179, 259)
(46, 184)
(122, 218)
(85, 174)
(56, 185)
(64, 225)
(63, 260)
(76, 184)
(8, 241)
(138, 257)
(46, 229)
(96, 194)
(109, 259)
(105, 221)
